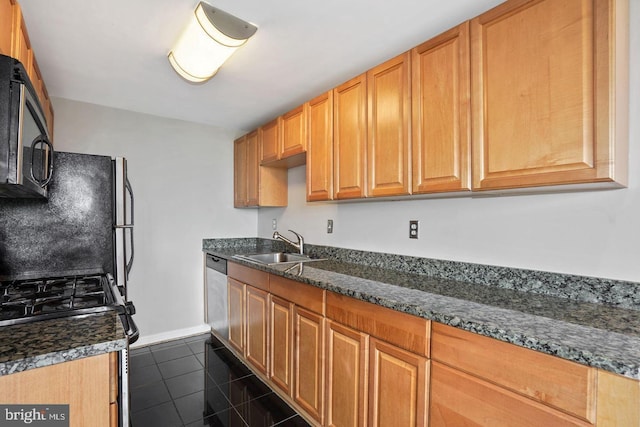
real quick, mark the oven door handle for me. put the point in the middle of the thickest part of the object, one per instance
(131, 329)
(126, 309)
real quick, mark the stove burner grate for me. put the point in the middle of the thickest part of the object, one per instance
(36, 299)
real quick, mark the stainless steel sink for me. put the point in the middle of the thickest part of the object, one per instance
(274, 258)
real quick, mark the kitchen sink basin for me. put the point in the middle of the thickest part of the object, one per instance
(275, 258)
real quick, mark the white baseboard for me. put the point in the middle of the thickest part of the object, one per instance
(170, 335)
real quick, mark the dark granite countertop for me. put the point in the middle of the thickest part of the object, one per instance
(37, 344)
(595, 322)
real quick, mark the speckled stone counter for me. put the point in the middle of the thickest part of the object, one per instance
(595, 322)
(33, 345)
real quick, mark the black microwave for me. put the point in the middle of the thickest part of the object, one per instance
(26, 153)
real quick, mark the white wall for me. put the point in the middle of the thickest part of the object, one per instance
(182, 177)
(588, 233)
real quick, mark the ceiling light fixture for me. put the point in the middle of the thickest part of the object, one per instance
(208, 41)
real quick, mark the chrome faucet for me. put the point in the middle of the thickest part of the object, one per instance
(299, 245)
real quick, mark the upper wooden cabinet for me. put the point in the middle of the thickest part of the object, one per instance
(531, 94)
(20, 45)
(256, 185)
(389, 123)
(283, 141)
(320, 148)
(350, 138)
(14, 42)
(441, 140)
(270, 144)
(294, 137)
(6, 26)
(549, 93)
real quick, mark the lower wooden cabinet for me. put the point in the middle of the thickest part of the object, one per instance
(377, 366)
(345, 362)
(552, 381)
(397, 386)
(236, 314)
(460, 399)
(309, 362)
(281, 361)
(346, 380)
(257, 307)
(86, 385)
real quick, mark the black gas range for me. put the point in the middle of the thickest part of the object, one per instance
(24, 300)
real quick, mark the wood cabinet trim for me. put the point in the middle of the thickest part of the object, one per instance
(618, 399)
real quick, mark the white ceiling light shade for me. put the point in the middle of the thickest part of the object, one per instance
(208, 41)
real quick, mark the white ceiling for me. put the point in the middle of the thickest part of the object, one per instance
(113, 52)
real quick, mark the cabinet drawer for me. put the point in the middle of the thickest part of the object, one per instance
(300, 294)
(459, 399)
(401, 329)
(250, 276)
(553, 381)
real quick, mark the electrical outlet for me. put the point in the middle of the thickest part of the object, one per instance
(329, 226)
(274, 224)
(413, 229)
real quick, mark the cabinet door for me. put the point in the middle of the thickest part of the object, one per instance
(253, 170)
(21, 48)
(556, 382)
(544, 94)
(350, 138)
(346, 383)
(459, 399)
(397, 381)
(441, 140)
(6, 26)
(294, 132)
(389, 121)
(236, 314)
(257, 328)
(83, 384)
(270, 141)
(281, 334)
(320, 148)
(309, 362)
(240, 172)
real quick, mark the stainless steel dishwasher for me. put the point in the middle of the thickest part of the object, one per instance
(216, 296)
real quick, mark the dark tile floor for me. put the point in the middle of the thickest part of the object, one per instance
(196, 381)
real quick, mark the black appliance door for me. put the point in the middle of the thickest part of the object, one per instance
(35, 164)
